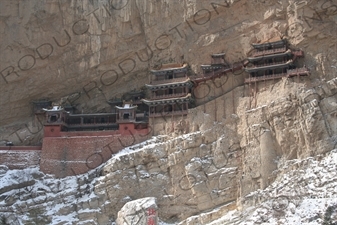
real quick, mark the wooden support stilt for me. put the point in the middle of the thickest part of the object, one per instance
(172, 118)
(233, 95)
(249, 92)
(255, 94)
(153, 126)
(265, 80)
(215, 107)
(203, 92)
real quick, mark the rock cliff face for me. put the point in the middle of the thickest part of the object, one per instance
(223, 160)
(85, 52)
(240, 140)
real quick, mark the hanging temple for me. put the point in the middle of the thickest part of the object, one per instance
(168, 94)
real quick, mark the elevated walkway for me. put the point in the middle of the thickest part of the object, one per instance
(304, 71)
(269, 66)
(269, 52)
(266, 77)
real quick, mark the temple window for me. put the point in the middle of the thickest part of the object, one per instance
(53, 118)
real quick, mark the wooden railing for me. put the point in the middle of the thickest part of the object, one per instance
(177, 95)
(90, 125)
(299, 71)
(290, 73)
(298, 53)
(269, 52)
(265, 77)
(270, 64)
(180, 79)
(142, 119)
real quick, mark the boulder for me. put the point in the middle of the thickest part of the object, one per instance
(140, 211)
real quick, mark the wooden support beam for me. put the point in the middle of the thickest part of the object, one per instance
(255, 94)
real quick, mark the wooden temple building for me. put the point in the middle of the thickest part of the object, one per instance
(59, 120)
(217, 64)
(170, 89)
(125, 118)
(135, 97)
(129, 119)
(75, 143)
(218, 67)
(273, 60)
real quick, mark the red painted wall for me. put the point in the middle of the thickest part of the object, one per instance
(51, 130)
(75, 153)
(71, 153)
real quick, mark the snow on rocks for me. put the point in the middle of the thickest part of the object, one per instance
(298, 196)
(31, 196)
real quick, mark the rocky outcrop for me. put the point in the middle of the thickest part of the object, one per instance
(140, 211)
(193, 172)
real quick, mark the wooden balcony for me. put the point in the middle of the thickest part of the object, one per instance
(298, 53)
(91, 125)
(298, 72)
(290, 73)
(269, 52)
(176, 95)
(168, 81)
(142, 119)
(269, 66)
(265, 77)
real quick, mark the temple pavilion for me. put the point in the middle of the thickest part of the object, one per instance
(58, 117)
(273, 60)
(218, 64)
(126, 113)
(170, 90)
